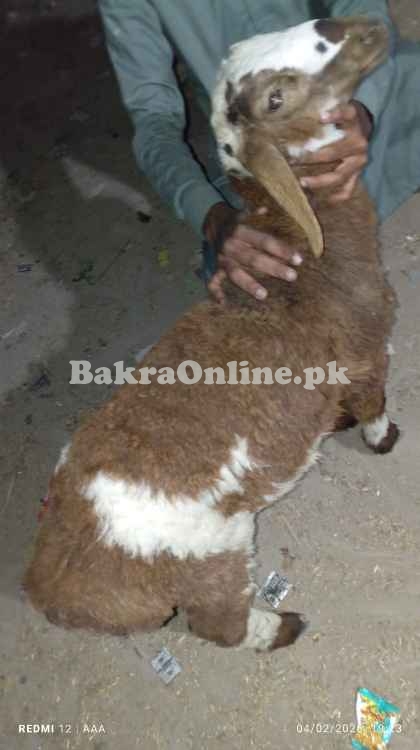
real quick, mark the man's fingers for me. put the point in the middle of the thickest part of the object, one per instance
(244, 281)
(271, 267)
(254, 260)
(352, 166)
(347, 146)
(266, 243)
(346, 192)
(215, 286)
(247, 251)
(329, 179)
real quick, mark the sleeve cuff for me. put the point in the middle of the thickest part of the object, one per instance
(193, 202)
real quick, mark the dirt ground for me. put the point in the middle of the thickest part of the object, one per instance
(83, 277)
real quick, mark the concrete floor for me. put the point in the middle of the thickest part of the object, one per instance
(347, 537)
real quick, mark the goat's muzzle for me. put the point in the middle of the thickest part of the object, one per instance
(365, 44)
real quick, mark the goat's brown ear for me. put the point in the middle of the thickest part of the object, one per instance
(268, 165)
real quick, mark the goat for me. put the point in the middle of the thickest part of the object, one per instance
(152, 506)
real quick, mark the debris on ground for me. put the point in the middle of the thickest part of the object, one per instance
(85, 273)
(275, 589)
(92, 183)
(42, 381)
(376, 720)
(79, 115)
(163, 258)
(144, 218)
(166, 666)
(17, 331)
(288, 558)
(193, 282)
(142, 353)
(413, 278)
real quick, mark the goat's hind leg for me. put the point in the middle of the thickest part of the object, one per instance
(368, 407)
(219, 607)
(380, 434)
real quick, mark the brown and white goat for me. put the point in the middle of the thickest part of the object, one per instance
(152, 505)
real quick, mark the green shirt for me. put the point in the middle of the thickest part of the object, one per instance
(145, 36)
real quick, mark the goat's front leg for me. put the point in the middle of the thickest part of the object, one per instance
(218, 606)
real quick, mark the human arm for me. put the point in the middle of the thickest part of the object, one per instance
(143, 60)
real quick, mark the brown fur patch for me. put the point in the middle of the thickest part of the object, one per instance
(345, 422)
(332, 30)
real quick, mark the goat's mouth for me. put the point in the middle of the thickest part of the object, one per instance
(364, 46)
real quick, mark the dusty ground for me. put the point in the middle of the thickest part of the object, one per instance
(96, 290)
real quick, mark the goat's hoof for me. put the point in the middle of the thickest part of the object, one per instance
(291, 627)
(387, 443)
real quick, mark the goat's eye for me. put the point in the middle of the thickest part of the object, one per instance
(275, 100)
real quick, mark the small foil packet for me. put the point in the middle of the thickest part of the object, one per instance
(166, 666)
(275, 589)
(376, 719)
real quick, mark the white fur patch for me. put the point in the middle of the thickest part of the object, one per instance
(331, 134)
(146, 522)
(283, 488)
(262, 629)
(230, 474)
(294, 48)
(225, 133)
(376, 431)
(63, 458)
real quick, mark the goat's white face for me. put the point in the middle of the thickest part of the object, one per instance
(271, 92)
(282, 82)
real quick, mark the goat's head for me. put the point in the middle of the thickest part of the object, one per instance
(271, 92)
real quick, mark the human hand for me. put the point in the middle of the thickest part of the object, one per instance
(351, 151)
(241, 250)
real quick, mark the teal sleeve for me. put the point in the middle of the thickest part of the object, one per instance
(375, 90)
(143, 61)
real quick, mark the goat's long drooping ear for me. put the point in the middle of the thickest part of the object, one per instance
(270, 168)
